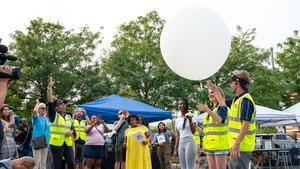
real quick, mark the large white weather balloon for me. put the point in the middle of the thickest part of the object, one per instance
(195, 42)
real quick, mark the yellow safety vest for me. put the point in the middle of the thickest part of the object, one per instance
(197, 137)
(59, 128)
(79, 128)
(215, 134)
(235, 125)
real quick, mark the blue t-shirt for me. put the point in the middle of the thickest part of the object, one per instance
(121, 132)
(247, 106)
(166, 134)
(222, 112)
(41, 126)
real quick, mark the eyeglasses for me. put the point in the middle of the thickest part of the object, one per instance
(43, 108)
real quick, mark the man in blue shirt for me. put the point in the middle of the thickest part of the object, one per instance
(240, 157)
(120, 128)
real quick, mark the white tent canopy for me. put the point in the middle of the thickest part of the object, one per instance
(295, 109)
(267, 115)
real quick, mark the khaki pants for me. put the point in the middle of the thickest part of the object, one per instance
(163, 154)
(40, 158)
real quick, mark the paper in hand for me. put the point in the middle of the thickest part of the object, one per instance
(139, 136)
(161, 139)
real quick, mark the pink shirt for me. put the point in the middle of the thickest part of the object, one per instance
(94, 137)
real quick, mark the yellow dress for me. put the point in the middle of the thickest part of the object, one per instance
(137, 154)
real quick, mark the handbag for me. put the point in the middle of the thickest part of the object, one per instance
(40, 141)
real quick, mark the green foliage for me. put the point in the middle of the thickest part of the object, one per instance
(48, 49)
(243, 56)
(266, 130)
(266, 87)
(135, 64)
(288, 59)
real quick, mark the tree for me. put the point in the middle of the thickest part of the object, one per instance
(243, 56)
(135, 64)
(266, 88)
(49, 49)
(288, 59)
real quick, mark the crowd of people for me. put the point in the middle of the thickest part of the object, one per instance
(58, 139)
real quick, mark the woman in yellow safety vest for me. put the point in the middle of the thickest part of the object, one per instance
(215, 129)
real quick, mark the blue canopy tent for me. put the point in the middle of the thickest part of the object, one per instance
(109, 106)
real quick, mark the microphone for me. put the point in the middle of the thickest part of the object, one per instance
(3, 49)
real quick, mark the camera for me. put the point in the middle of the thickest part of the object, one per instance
(16, 71)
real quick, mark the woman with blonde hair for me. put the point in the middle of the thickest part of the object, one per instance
(215, 129)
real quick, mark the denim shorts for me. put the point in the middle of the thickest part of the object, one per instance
(94, 151)
(217, 152)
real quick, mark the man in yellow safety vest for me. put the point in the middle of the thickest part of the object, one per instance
(61, 131)
(242, 126)
(79, 125)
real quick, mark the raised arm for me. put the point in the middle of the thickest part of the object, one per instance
(51, 106)
(35, 109)
(90, 127)
(87, 119)
(106, 129)
(49, 91)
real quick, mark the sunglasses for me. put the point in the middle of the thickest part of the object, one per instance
(43, 108)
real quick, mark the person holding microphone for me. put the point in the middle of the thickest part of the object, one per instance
(185, 145)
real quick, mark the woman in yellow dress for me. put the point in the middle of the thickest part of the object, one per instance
(137, 141)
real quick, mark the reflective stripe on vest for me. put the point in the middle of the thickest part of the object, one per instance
(235, 125)
(197, 137)
(59, 128)
(80, 129)
(215, 134)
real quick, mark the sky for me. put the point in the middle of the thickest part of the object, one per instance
(274, 20)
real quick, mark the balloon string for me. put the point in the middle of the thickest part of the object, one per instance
(201, 85)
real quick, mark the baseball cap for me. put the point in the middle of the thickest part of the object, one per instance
(60, 101)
